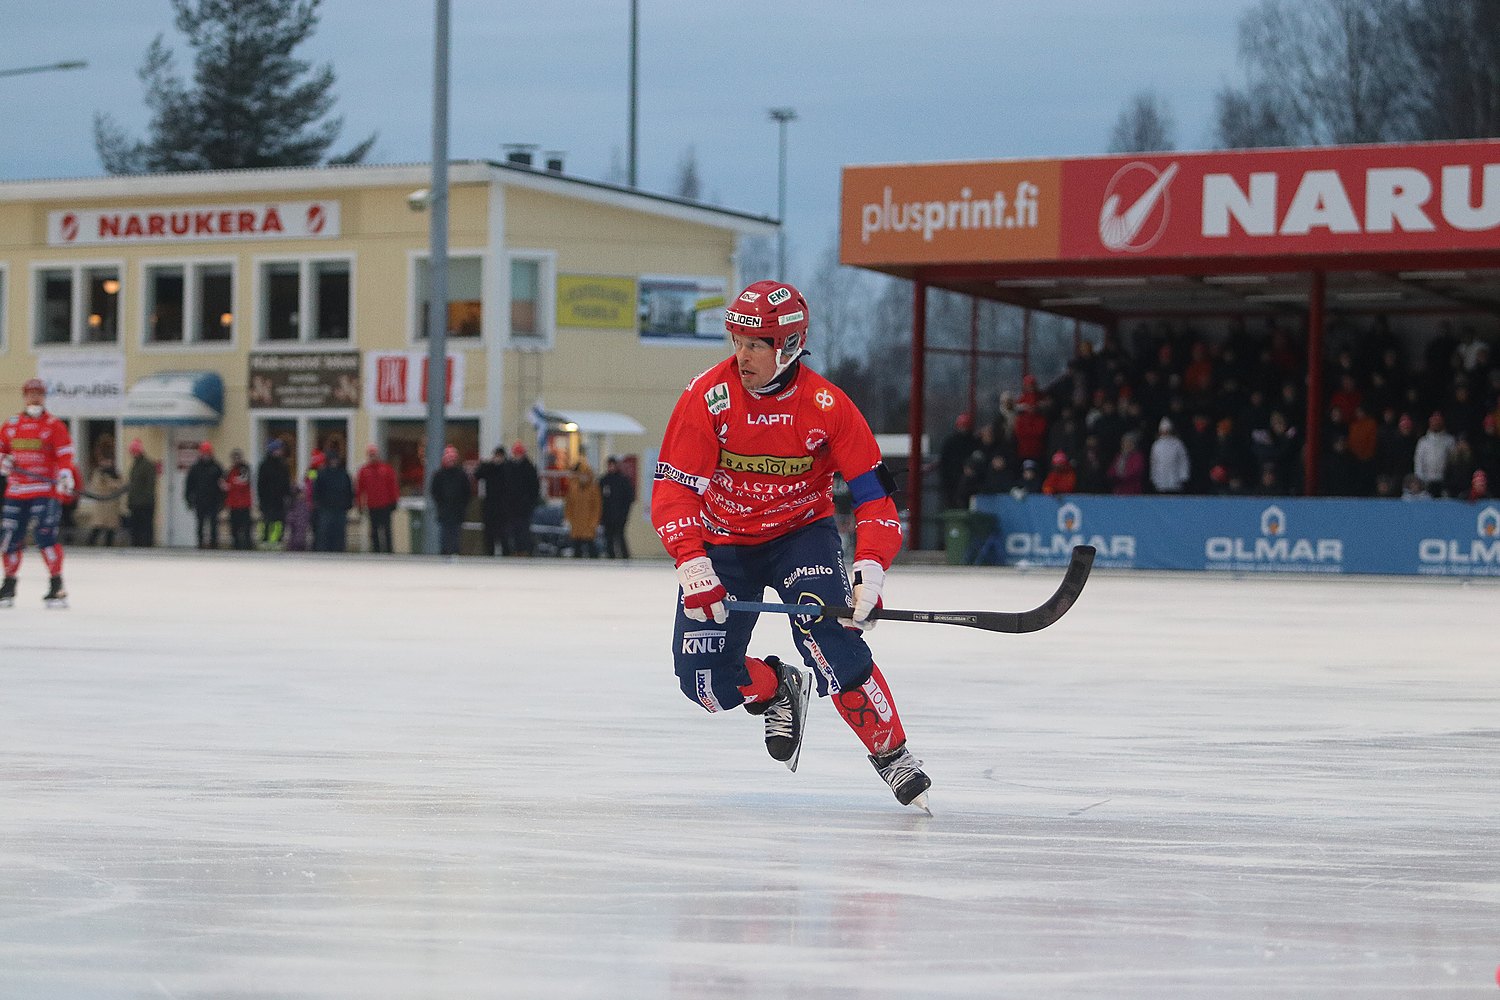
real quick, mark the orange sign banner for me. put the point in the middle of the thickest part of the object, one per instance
(942, 213)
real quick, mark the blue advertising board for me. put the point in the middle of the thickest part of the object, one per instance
(1252, 534)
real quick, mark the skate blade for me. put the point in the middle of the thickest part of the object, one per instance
(7, 602)
(920, 802)
(806, 698)
(56, 603)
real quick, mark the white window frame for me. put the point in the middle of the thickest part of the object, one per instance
(79, 303)
(191, 336)
(414, 260)
(304, 264)
(4, 306)
(546, 318)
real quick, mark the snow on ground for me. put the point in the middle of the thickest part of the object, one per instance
(227, 776)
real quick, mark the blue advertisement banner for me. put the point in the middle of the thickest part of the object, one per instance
(1252, 534)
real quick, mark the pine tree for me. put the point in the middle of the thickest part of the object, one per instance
(251, 103)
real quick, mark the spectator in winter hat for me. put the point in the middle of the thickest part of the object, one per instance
(1062, 478)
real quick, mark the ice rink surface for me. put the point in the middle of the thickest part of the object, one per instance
(351, 777)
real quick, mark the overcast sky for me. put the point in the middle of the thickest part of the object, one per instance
(873, 82)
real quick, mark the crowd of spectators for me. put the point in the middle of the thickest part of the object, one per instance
(1177, 412)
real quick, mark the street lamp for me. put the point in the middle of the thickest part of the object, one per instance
(781, 116)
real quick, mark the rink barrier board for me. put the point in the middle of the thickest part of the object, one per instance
(1248, 534)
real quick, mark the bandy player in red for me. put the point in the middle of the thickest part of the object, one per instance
(743, 500)
(36, 457)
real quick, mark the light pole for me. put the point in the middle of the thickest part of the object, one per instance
(635, 23)
(437, 272)
(781, 116)
(21, 71)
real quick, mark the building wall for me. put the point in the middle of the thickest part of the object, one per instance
(580, 369)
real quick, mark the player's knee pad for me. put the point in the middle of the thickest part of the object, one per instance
(46, 534)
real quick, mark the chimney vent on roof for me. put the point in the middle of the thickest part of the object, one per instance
(519, 153)
(554, 161)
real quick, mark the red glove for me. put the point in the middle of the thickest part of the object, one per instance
(702, 593)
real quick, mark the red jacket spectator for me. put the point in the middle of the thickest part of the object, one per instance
(1062, 479)
(1030, 426)
(376, 487)
(237, 483)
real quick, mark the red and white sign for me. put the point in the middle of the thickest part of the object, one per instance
(1415, 198)
(267, 220)
(396, 382)
(1355, 199)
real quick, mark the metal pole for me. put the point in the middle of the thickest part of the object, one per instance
(634, 77)
(1313, 437)
(437, 267)
(781, 116)
(917, 412)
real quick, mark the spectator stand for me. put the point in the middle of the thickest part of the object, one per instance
(1292, 237)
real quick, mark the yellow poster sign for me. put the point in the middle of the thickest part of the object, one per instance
(595, 301)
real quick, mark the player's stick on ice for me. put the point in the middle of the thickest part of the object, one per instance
(86, 494)
(1034, 620)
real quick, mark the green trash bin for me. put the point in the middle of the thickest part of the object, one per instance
(414, 525)
(964, 531)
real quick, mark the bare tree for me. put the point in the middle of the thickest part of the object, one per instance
(1145, 125)
(616, 173)
(1455, 47)
(1321, 72)
(756, 258)
(689, 184)
(840, 298)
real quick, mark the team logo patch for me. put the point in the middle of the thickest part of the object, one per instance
(790, 318)
(824, 399)
(717, 398)
(779, 296)
(749, 296)
(766, 465)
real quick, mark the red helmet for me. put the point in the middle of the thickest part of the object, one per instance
(773, 311)
(34, 385)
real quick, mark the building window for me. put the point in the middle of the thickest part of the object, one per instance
(78, 305)
(189, 303)
(465, 297)
(532, 303)
(306, 301)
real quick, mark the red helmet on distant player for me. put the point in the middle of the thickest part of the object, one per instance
(34, 385)
(773, 311)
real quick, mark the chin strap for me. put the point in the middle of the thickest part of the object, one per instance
(783, 377)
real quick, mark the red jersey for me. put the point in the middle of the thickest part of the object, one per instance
(737, 468)
(40, 448)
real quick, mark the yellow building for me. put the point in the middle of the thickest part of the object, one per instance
(244, 306)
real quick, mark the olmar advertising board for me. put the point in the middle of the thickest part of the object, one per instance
(1253, 534)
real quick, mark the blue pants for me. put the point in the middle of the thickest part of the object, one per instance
(18, 516)
(805, 565)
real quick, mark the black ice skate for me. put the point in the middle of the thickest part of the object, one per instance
(8, 592)
(903, 773)
(786, 713)
(56, 596)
